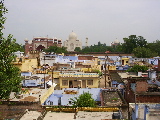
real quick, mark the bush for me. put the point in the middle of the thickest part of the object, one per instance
(137, 68)
(84, 100)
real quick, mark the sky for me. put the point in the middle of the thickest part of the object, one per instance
(99, 20)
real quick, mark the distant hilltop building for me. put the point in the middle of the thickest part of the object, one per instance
(72, 42)
(40, 43)
(115, 43)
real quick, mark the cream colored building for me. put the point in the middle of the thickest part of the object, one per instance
(79, 79)
(26, 64)
(72, 42)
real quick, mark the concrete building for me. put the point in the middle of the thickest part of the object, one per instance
(25, 64)
(145, 111)
(31, 81)
(78, 80)
(138, 87)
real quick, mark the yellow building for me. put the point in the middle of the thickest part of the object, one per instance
(94, 65)
(54, 73)
(75, 80)
(26, 64)
(86, 69)
(111, 67)
(125, 61)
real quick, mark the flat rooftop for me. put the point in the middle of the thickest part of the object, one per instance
(32, 95)
(126, 75)
(82, 115)
(153, 114)
(59, 116)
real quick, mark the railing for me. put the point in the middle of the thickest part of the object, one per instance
(43, 114)
(89, 109)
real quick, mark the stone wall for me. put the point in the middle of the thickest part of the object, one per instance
(148, 98)
(15, 109)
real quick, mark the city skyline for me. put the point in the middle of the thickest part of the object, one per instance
(103, 20)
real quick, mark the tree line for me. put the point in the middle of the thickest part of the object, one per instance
(136, 45)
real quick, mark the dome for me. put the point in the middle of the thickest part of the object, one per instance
(30, 42)
(72, 36)
(116, 41)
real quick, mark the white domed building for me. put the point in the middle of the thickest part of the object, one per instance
(115, 43)
(72, 42)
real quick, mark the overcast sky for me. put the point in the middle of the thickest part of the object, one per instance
(99, 20)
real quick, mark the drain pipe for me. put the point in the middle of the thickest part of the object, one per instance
(136, 111)
(146, 111)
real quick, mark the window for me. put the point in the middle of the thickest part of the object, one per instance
(89, 82)
(64, 82)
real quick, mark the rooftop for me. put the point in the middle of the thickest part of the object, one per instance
(59, 116)
(65, 98)
(31, 95)
(82, 115)
(153, 111)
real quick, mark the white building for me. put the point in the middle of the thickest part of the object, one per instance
(115, 43)
(72, 42)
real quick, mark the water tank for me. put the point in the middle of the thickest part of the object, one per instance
(152, 75)
(139, 74)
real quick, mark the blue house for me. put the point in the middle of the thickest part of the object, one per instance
(33, 81)
(60, 98)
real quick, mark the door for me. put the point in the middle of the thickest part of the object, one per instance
(70, 84)
(83, 83)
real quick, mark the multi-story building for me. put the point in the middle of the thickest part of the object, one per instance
(40, 43)
(79, 79)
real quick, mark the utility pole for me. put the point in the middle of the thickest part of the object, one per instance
(105, 71)
(44, 72)
(52, 76)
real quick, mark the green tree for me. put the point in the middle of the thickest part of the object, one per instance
(56, 49)
(84, 100)
(10, 75)
(137, 68)
(142, 52)
(77, 49)
(118, 48)
(19, 47)
(133, 42)
(155, 46)
(97, 48)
